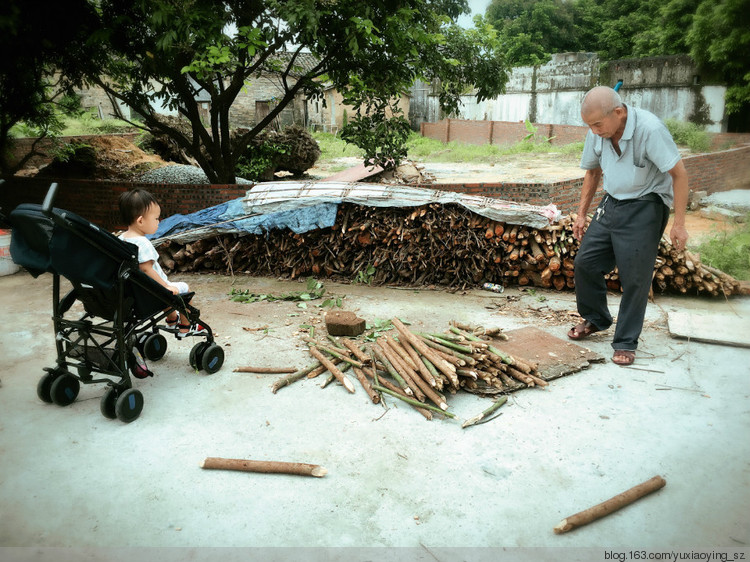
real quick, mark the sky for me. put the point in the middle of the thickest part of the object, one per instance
(477, 7)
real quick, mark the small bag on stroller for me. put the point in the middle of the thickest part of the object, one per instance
(122, 306)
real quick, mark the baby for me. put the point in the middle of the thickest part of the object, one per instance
(140, 211)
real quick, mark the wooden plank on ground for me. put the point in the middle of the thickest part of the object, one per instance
(554, 357)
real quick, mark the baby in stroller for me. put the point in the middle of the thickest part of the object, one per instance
(140, 211)
(122, 309)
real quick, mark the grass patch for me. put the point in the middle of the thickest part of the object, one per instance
(423, 149)
(86, 124)
(332, 147)
(430, 150)
(729, 251)
(690, 135)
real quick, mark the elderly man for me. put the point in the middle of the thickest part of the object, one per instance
(643, 176)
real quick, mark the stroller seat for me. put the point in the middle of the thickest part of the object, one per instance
(123, 307)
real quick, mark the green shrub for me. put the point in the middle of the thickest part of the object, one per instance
(689, 135)
(729, 251)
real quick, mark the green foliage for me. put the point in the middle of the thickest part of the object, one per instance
(689, 134)
(729, 251)
(719, 37)
(259, 159)
(315, 290)
(365, 276)
(531, 30)
(431, 150)
(382, 138)
(156, 52)
(332, 146)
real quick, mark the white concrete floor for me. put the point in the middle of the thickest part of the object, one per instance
(71, 478)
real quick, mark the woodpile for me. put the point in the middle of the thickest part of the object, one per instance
(421, 368)
(444, 245)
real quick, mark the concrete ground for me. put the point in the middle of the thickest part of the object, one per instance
(71, 478)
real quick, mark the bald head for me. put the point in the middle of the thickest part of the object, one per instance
(602, 100)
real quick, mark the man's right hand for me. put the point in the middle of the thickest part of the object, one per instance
(579, 226)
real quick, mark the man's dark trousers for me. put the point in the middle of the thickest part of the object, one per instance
(627, 234)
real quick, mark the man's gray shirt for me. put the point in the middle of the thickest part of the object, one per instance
(647, 154)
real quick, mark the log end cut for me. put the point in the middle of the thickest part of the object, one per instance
(562, 527)
(344, 323)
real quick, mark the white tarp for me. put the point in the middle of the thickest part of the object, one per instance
(272, 197)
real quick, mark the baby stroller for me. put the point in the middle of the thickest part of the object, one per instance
(123, 308)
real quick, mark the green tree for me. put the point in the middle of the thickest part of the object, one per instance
(720, 37)
(531, 30)
(41, 46)
(163, 52)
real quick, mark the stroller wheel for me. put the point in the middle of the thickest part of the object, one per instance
(65, 389)
(213, 358)
(154, 347)
(128, 405)
(107, 403)
(44, 387)
(196, 355)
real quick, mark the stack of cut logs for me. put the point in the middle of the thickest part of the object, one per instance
(420, 368)
(434, 244)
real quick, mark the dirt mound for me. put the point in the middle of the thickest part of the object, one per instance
(102, 157)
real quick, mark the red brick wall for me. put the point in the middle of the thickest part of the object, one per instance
(499, 132)
(719, 171)
(96, 201)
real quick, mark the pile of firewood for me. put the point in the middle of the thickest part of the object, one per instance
(420, 368)
(434, 244)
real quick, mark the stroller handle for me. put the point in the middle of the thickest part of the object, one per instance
(50, 198)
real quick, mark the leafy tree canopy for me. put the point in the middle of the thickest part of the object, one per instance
(41, 45)
(164, 52)
(716, 33)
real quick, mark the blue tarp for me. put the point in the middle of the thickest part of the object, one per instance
(231, 217)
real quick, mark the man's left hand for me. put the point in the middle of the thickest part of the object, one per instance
(679, 236)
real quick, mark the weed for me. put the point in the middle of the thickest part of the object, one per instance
(729, 251)
(365, 276)
(332, 146)
(689, 134)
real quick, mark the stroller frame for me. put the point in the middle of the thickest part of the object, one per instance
(123, 308)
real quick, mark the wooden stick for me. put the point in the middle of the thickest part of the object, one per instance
(421, 367)
(333, 352)
(406, 372)
(374, 396)
(441, 364)
(289, 379)
(265, 370)
(334, 370)
(380, 354)
(479, 417)
(414, 402)
(275, 467)
(611, 505)
(356, 351)
(402, 353)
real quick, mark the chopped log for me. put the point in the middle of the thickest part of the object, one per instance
(611, 505)
(334, 370)
(374, 396)
(273, 467)
(265, 370)
(441, 364)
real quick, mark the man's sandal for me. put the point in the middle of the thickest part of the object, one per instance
(582, 331)
(623, 357)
